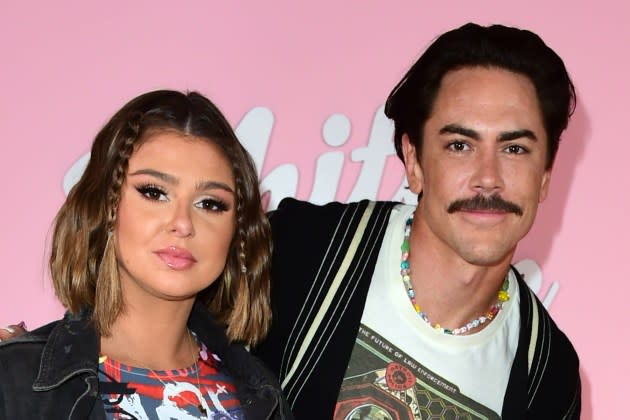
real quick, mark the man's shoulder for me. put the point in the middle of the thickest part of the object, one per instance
(539, 321)
(559, 342)
(546, 367)
(291, 205)
(292, 209)
(554, 374)
(306, 232)
(549, 347)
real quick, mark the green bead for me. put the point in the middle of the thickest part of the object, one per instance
(405, 246)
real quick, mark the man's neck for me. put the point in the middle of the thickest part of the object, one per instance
(451, 291)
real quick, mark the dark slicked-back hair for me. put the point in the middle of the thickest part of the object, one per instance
(411, 102)
(83, 263)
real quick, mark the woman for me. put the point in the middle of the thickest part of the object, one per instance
(161, 256)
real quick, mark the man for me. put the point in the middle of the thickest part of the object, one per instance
(393, 311)
(384, 310)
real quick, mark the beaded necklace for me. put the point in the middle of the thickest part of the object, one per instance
(502, 297)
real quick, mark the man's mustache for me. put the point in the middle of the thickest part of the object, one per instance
(481, 202)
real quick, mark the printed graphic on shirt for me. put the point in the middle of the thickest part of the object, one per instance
(136, 393)
(384, 383)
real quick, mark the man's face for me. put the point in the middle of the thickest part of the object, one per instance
(482, 166)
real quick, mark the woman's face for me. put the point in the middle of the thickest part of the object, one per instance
(176, 218)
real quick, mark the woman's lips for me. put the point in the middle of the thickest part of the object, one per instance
(176, 258)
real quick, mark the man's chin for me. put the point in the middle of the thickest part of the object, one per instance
(487, 256)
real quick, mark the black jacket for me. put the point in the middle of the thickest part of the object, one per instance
(324, 258)
(52, 372)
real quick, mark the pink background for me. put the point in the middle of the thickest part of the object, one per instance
(66, 69)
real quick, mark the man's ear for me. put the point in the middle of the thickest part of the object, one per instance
(413, 170)
(544, 186)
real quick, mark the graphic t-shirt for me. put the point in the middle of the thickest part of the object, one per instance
(136, 393)
(401, 368)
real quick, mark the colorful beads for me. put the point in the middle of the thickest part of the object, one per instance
(502, 296)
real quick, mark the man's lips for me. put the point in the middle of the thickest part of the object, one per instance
(484, 211)
(484, 217)
(176, 258)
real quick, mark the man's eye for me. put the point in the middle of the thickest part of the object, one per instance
(458, 146)
(212, 205)
(151, 192)
(516, 149)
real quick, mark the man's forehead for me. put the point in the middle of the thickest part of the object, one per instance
(485, 93)
(463, 77)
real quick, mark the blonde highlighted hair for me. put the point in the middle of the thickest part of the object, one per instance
(83, 262)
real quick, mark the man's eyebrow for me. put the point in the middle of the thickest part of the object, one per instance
(204, 185)
(517, 134)
(504, 136)
(458, 129)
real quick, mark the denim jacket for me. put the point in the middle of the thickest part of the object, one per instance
(52, 372)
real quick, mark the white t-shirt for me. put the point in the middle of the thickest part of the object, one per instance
(400, 363)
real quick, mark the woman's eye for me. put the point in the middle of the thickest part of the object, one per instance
(458, 146)
(152, 192)
(212, 205)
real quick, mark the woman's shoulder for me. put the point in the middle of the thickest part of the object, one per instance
(20, 359)
(22, 353)
(29, 339)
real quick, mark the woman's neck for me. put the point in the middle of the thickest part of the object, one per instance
(153, 336)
